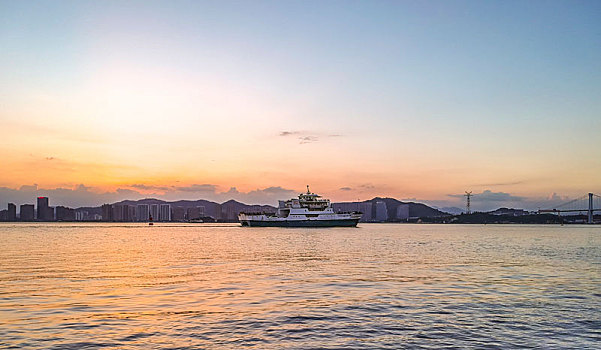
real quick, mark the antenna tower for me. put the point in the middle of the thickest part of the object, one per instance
(468, 195)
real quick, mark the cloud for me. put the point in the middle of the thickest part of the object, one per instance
(77, 196)
(346, 189)
(488, 200)
(204, 188)
(149, 187)
(306, 137)
(232, 190)
(81, 187)
(268, 195)
(490, 196)
(289, 133)
(25, 188)
(503, 183)
(127, 192)
(82, 195)
(275, 189)
(554, 197)
(50, 158)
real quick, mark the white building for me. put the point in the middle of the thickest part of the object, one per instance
(154, 212)
(402, 212)
(81, 215)
(381, 211)
(165, 212)
(142, 212)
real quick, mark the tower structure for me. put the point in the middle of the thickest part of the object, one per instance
(590, 208)
(468, 195)
(45, 213)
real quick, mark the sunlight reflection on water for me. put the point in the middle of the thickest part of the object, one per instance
(375, 286)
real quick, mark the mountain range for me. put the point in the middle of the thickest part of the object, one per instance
(228, 211)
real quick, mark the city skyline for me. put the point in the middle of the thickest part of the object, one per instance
(252, 101)
(376, 210)
(82, 196)
(485, 202)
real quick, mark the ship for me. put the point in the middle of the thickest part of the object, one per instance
(308, 210)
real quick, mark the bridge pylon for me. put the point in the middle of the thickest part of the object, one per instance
(590, 208)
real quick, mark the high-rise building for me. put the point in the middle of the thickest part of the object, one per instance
(365, 208)
(65, 214)
(402, 212)
(195, 213)
(381, 211)
(4, 215)
(122, 212)
(117, 212)
(131, 211)
(142, 213)
(26, 212)
(179, 214)
(344, 207)
(154, 212)
(12, 212)
(165, 212)
(229, 211)
(107, 212)
(45, 213)
(81, 215)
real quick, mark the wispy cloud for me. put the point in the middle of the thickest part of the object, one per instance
(489, 200)
(144, 187)
(82, 195)
(510, 183)
(366, 186)
(289, 133)
(490, 196)
(308, 139)
(305, 137)
(203, 188)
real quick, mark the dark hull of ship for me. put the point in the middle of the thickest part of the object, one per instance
(301, 223)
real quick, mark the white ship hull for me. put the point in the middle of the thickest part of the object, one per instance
(332, 220)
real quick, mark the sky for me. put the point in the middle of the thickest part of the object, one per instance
(253, 100)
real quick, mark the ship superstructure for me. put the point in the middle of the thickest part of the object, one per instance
(308, 210)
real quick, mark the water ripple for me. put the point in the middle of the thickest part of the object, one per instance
(83, 286)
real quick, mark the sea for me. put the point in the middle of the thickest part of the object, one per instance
(222, 286)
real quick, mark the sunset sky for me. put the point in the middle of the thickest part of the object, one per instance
(252, 100)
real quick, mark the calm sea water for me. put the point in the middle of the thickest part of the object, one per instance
(72, 286)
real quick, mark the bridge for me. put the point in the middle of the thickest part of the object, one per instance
(587, 204)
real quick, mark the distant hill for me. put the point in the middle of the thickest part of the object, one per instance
(228, 211)
(487, 218)
(231, 209)
(381, 209)
(416, 210)
(509, 211)
(452, 210)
